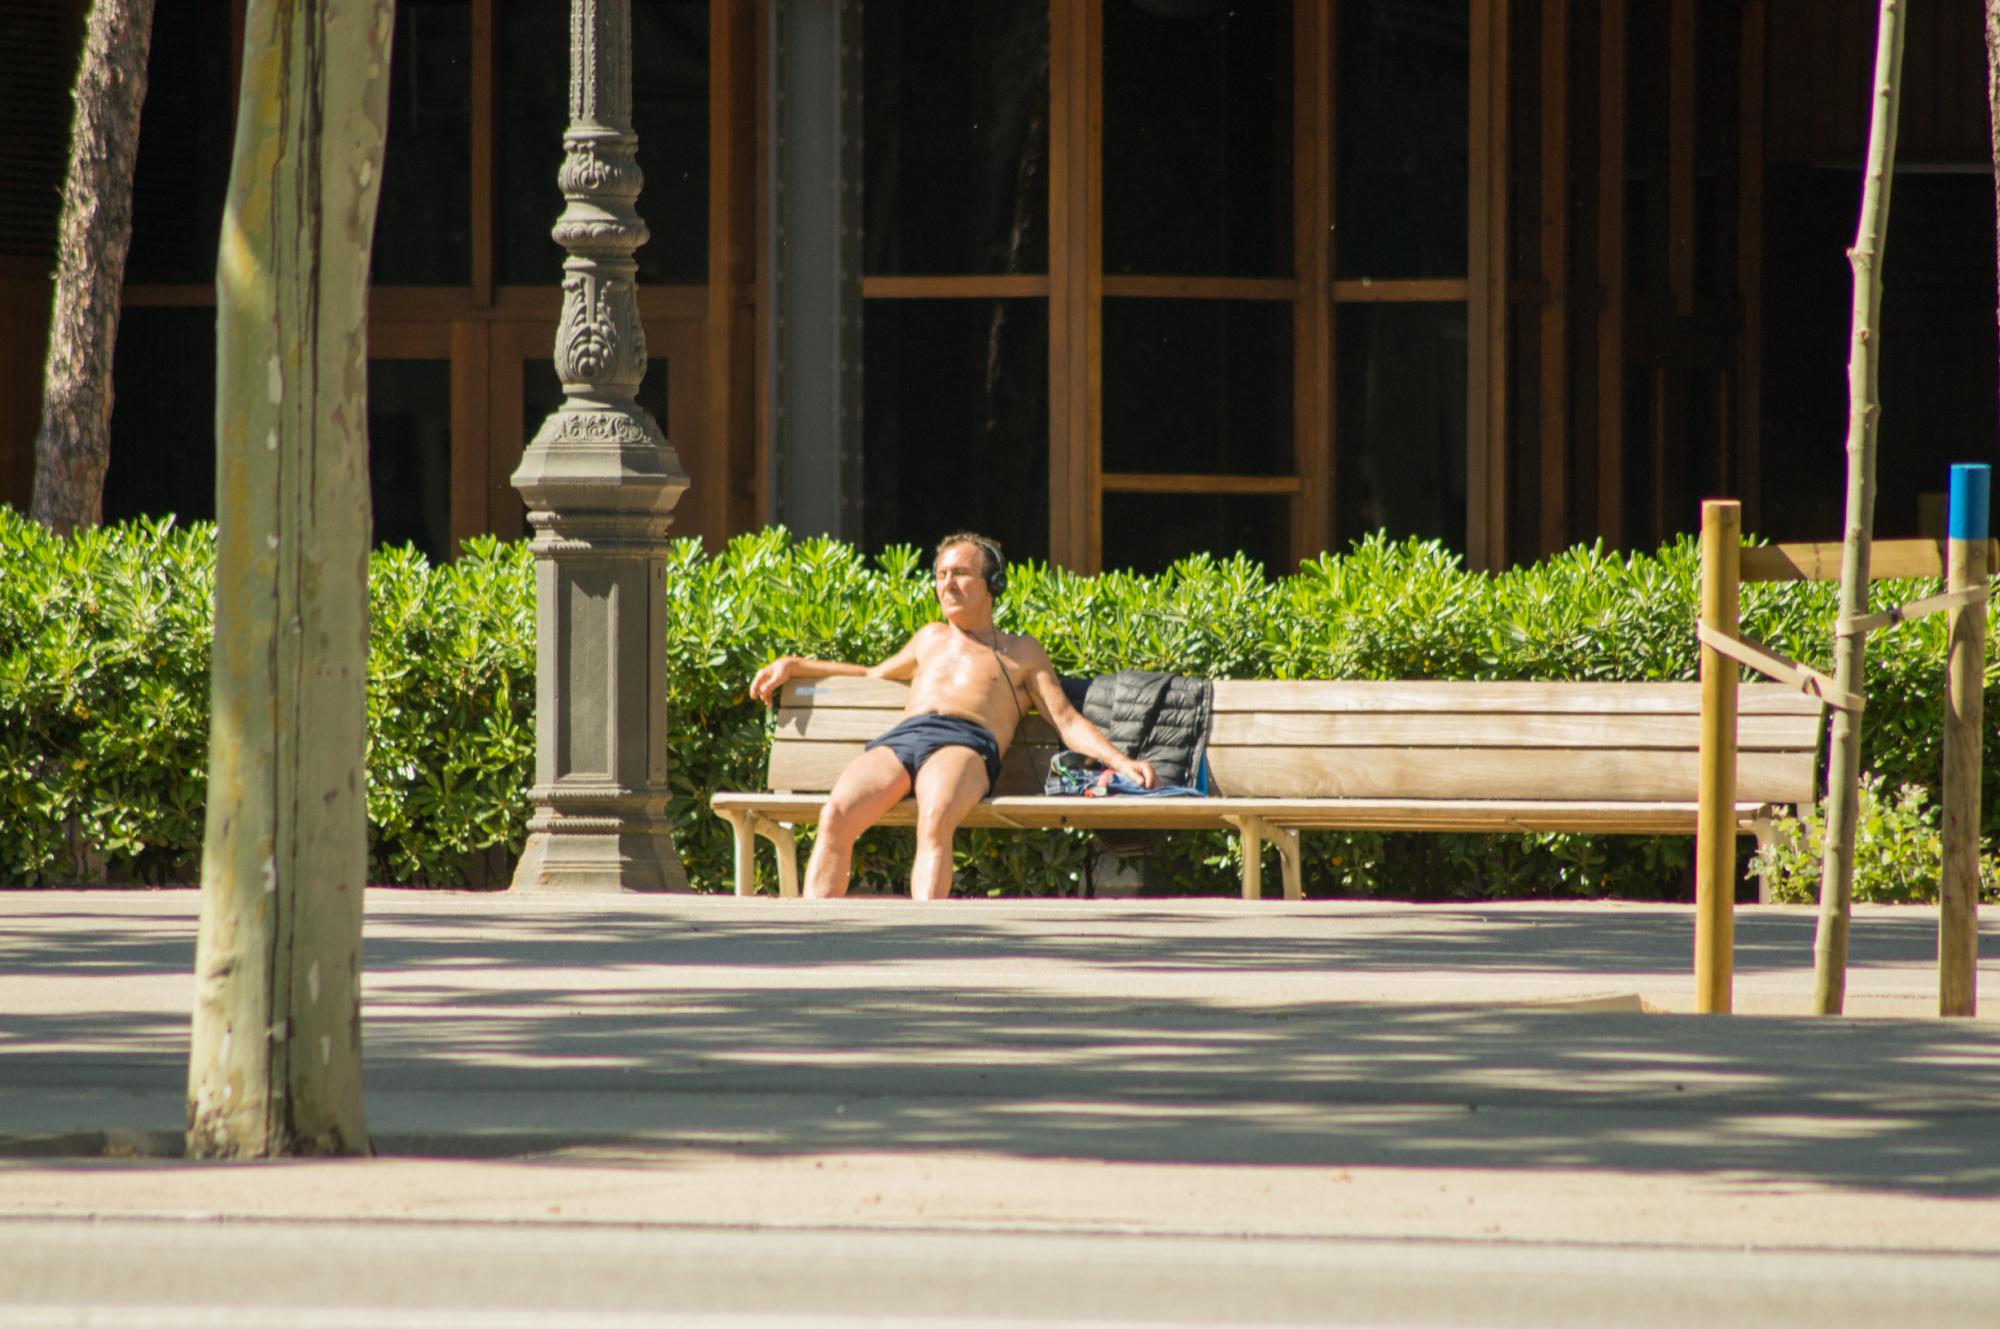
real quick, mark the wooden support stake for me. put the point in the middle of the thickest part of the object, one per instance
(1715, 833)
(1958, 894)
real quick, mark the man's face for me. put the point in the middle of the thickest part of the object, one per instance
(961, 579)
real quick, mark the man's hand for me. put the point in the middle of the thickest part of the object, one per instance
(771, 677)
(1140, 773)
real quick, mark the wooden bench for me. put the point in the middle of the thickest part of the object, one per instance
(1286, 757)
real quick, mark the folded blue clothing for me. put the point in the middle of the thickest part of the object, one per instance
(1119, 786)
(1076, 775)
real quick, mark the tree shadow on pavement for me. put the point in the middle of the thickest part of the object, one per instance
(1470, 939)
(629, 1028)
(1905, 1106)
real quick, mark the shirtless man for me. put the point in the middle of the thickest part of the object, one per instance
(970, 686)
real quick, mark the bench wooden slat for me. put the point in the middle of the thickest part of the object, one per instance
(1376, 728)
(832, 723)
(1469, 815)
(1452, 729)
(872, 693)
(1410, 695)
(1512, 773)
(1541, 698)
(814, 766)
(1621, 775)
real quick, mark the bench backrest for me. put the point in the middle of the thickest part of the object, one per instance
(1600, 742)
(824, 722)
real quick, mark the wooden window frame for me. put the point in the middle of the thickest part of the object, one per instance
(1482, 291)
(1487, 294)
(1077, 286)
(488, 331)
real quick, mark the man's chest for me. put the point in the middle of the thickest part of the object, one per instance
(968, 663)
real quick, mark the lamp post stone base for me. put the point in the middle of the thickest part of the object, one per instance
(599, 819)
(606, 854)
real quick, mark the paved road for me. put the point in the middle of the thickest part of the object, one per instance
(1021, 1097)
(222, 1275)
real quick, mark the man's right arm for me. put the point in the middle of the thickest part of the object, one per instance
(774, 676)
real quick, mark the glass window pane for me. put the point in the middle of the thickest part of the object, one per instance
(956, 136)
(409, 454)
(670, 116)
(1400, 426)
(955, 422)
(41, 42)
(423, 228)
(1200, 386)
(669, 113)
(182, 174)
(162, 454)
(1400, 132)
(1198, 137)
(1148, 532)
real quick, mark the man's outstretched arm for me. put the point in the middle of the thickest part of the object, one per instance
(773, 676)
(1077, 732)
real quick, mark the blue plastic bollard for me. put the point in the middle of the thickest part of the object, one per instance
(1971, 492)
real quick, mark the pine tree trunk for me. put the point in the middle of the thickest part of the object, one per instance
(74, 440)
(1864, 411)
(276, 1058)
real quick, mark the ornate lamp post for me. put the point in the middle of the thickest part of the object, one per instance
(600, 482)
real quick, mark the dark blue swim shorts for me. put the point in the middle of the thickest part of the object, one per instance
(915, 739)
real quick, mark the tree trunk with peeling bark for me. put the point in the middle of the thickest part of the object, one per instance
(275, 1066)
(74, 440)
(1864, 412)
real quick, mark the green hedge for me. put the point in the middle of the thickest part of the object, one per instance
(104, 659)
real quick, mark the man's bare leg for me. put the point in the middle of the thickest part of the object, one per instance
(869, 787)
(948, 785)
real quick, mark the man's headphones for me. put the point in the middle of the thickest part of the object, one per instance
(996, 566)
(989, 555)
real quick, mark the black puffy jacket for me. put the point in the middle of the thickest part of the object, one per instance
(1148, 716)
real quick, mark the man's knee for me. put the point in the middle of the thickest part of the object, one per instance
(937, 821)
(841, 820)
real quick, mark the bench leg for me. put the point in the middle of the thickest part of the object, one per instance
(1766, 835)
(1254, 833)
(1287, 841)
(746, 852)
(787, 849)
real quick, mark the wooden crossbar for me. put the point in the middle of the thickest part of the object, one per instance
(1903, 613)
(1819, 560)
(1773, 665)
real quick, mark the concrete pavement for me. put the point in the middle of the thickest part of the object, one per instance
(318, 1275)
(1354, 1070)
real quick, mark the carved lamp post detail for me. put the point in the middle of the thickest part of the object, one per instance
(600, 481)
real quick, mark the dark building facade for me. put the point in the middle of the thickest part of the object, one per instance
(1117, 280)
